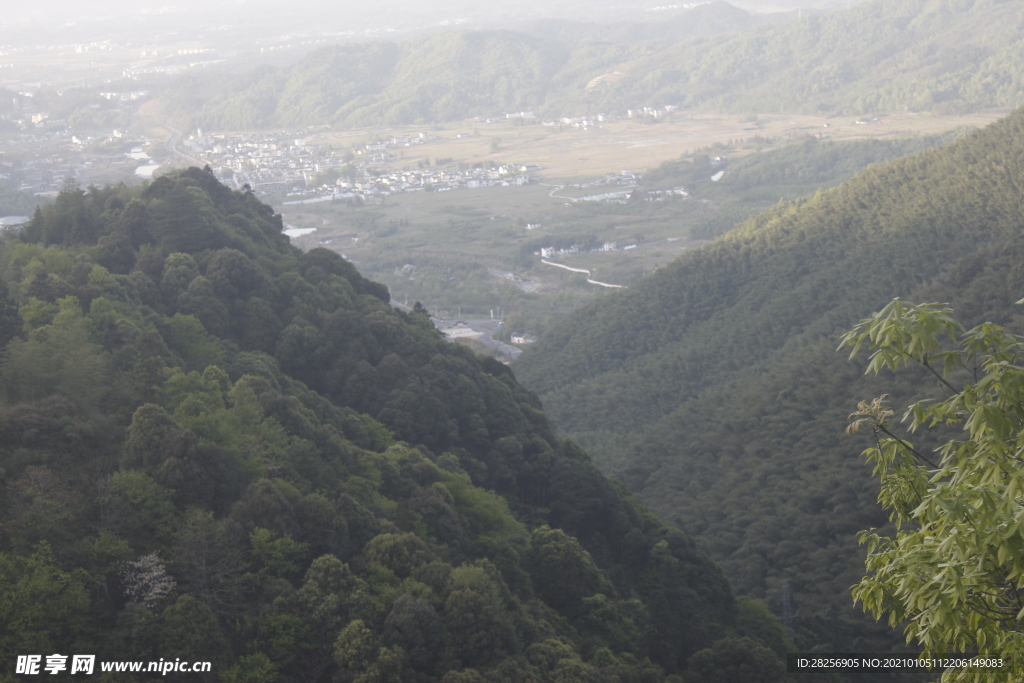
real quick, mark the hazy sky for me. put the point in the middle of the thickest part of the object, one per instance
(63, 10)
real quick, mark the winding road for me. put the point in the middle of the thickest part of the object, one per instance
(557, 188)
(582, 270)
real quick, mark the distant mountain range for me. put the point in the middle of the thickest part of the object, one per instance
(916, 55)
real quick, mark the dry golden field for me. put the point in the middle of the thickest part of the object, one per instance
(570, 154)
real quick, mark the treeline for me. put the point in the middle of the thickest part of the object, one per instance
(712, 389)
(216, 447)
(920, 55)
(702, 20)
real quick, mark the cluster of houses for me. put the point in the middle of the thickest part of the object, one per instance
(421, 180)
(625, 196)
(620, 197)
(38, 151)
(548, 252)
(282, 164)
(652, 112)
(626, 178)
(660, 195)
(578, 121)
(41, 159)
(31, 119)
(595, 119)
(269, 164)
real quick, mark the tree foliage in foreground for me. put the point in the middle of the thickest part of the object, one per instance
(953, 573)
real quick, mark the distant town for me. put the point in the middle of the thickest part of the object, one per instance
(41, 153)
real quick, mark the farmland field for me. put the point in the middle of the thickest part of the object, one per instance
(572, 154)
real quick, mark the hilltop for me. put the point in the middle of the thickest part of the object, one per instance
(216, 447)
(705, 19)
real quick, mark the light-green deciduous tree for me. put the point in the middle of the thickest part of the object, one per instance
(953, 574)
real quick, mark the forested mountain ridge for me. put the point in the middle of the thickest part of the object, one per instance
(916, 55)
(713, 390)
(441, 77)
(445, 76)
(216, 447)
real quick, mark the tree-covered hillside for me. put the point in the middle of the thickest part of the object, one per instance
(755, 182)
(441, 77)
(216, 447)
(917, 55)
(713, 390)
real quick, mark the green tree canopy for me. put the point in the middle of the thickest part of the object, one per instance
(953, 574)
(170, 489)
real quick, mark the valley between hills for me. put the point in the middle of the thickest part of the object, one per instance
(233, 429)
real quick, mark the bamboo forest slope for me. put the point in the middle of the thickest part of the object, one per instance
(216, 447)
(712, 388)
